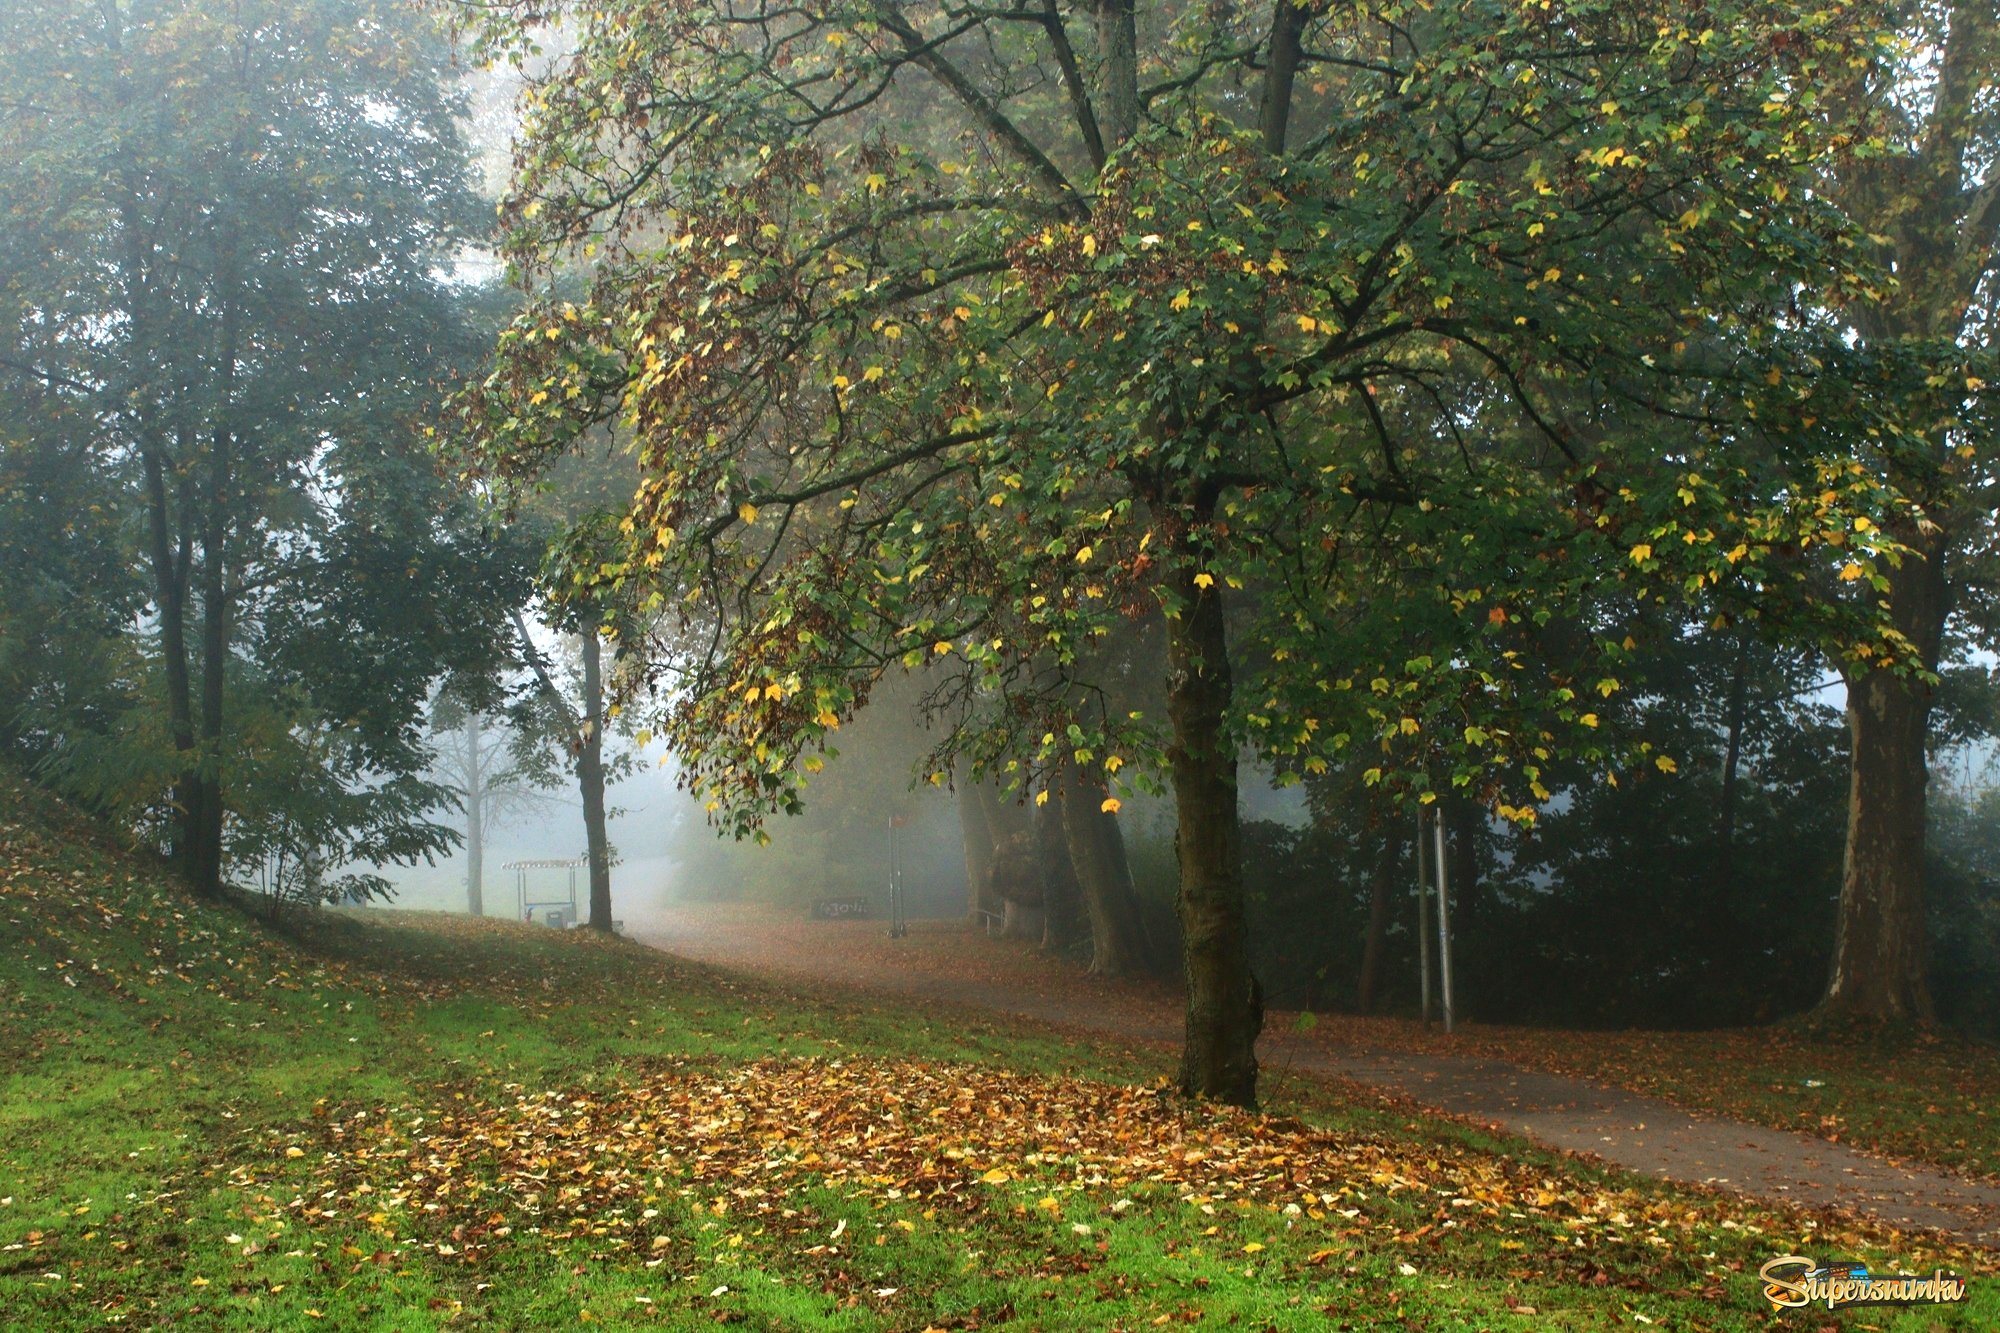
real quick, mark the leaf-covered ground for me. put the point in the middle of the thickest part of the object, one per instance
(400, 1122)
(1931, 1098)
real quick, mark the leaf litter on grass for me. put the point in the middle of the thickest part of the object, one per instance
(624, 1167)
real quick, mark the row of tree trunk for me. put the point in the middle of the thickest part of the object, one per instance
(1054, 871)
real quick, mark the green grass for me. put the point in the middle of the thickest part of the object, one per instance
(206, 1123)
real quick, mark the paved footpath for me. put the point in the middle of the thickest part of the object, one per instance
(1639, 1133)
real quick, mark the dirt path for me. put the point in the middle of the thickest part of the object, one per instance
(942, 962)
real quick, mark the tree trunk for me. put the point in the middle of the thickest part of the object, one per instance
(975, 828)
(215, 597)
(1012, 828)
(590, 778)
(1118, 944)
(1381, 894)
(1062, 896)
(475, 820)
(206, 809)
(1462, 817)
(1879, 970)
(1118, 52)
(1274, 111)
(169, 548)
(170, 603)
(1224, 1012)
(1732, 764)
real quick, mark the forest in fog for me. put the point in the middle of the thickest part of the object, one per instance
(1188, 457)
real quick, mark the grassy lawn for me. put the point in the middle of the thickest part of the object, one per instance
(399, 1121)
(1932, 1097)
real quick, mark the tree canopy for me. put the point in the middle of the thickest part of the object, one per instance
(952, 335)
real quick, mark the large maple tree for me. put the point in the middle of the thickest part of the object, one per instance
(948, 335)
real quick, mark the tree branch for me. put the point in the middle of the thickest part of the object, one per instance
(983, 109)
(539, 665)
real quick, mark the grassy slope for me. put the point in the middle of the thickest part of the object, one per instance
(403, 1122)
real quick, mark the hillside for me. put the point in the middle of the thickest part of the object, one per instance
(393, 1120)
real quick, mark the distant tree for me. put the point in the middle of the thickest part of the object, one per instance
(571, 709)
(1931, 203)
(226, 238)
(494, 776)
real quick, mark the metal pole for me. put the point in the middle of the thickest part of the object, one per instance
(1423, 921)
(895, 881)
(1444, 917)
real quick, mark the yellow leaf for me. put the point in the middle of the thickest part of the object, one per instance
(941, 647)
(870, 375)
(1204, 580)
(1110, 806)
(996, 1176)
(1666, 765)
(1641, 553)
(1850, 572)
(1083, 555)
(747, 512)
(1180, 302)
(1588, 719)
